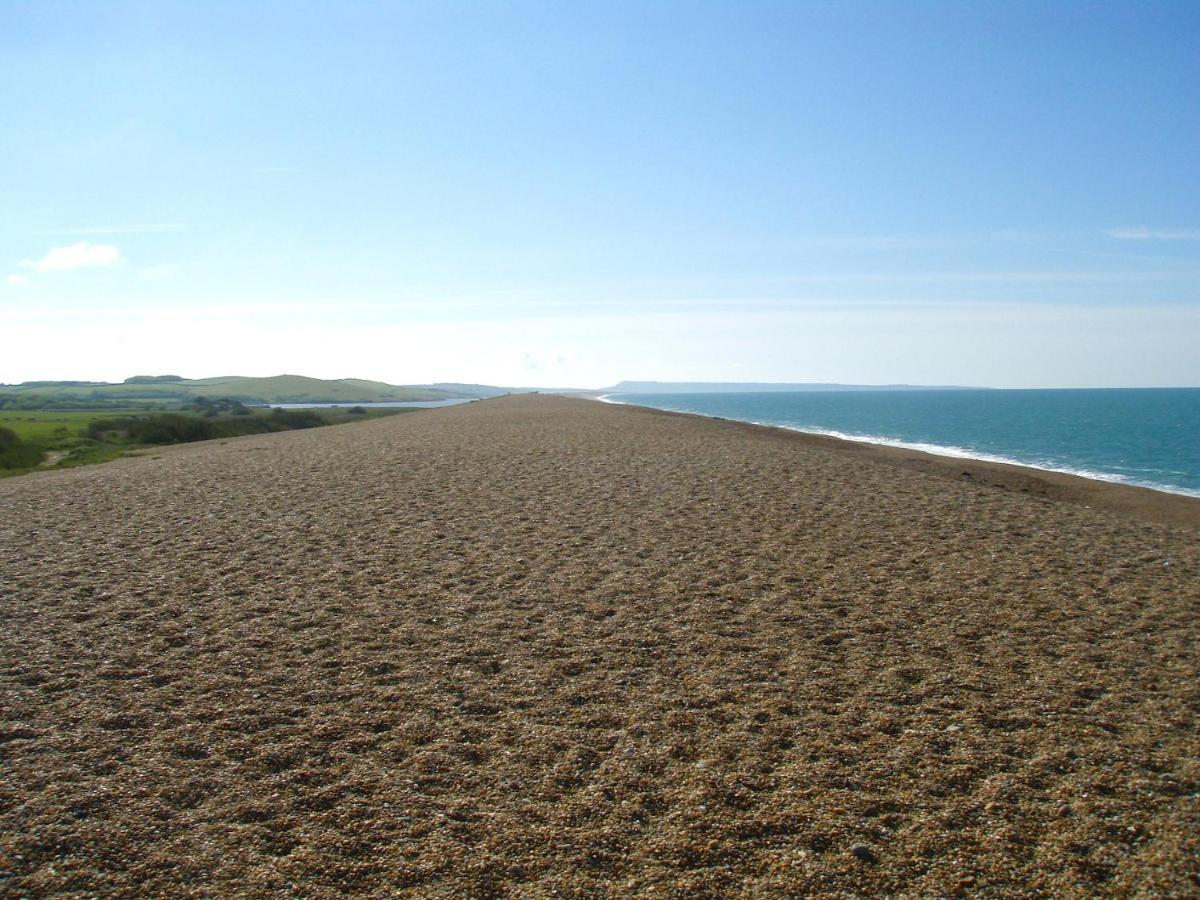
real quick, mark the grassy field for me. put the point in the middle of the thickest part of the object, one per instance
(55, 426)
(61, 436)
(64, 436)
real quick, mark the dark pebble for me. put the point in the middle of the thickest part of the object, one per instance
(863, 852)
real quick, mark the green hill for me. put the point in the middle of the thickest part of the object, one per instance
(301, 389)
(275, 389)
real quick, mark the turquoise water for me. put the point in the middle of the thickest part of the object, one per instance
(1143, 436)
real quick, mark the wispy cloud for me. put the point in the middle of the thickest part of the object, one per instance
(1033, 277)
(158, 273)
(873, 242)
(136, 228)
(1109, 254)
(1154, 234)
(15, 280)
(82, 255)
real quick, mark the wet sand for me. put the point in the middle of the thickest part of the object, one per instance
(536, 645)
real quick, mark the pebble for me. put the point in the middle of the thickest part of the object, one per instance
(863, 852)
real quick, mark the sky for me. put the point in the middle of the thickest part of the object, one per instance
(569, 194)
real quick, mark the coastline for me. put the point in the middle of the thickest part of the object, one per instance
(1153, 503)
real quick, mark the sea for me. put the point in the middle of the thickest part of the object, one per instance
(1142, 436)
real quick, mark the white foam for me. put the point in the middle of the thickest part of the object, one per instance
(968, 453)
(950, 451)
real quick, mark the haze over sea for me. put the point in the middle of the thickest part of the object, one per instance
(1142, 436)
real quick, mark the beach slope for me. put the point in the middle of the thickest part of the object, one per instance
(538, 644)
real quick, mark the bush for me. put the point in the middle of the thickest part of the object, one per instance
(15, 453)
(180, 428)
(295, 418)
(159, 428)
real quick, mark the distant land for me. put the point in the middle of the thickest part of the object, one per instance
(171, 390)
(482, 390)
(747, 387)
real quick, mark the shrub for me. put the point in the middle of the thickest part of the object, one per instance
(296, 418)
(15, 453)
(159, 428)
(179, 428)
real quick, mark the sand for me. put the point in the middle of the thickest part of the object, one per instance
(537, 646)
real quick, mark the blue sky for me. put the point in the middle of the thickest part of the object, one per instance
(573, 193)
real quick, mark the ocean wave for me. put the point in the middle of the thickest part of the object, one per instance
(980, 456)
(947, 450)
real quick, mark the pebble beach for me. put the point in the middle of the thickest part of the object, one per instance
(540, 646)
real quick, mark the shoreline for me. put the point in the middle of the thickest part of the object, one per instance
(1153, 504)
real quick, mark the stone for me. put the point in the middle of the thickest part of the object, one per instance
(863, 852)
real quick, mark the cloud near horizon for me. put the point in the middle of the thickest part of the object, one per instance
(1153, 234)
(994, 344)
(83, 255)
